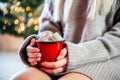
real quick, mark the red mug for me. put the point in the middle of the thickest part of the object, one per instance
(50, 50)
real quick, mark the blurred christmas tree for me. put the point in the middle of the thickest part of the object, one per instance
(20, 17)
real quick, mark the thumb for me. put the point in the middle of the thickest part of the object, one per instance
(32, 42)
(62, 54)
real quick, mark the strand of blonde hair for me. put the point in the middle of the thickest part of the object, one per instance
(99, 6)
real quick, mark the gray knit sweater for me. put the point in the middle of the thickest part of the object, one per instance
(93, 45)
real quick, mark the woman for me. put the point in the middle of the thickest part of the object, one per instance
(91, 29)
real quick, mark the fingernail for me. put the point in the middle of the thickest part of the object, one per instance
(38, 59)
(58, 58)
(42, 63)
(38, 55)
(38, 50)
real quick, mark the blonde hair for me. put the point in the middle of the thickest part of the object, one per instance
(94, 6)
(99, 6)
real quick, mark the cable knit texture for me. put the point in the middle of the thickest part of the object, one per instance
(22, 51)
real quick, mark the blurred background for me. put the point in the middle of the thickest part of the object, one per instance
(18, 19)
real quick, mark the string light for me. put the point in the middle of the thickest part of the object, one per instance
(18, 3)
(28, 8)
(22, 28)
(30, 14)
(6, 21)
(5, 9)
(4, 27)
(29, 24)
(35, 22)
(21, 24)
(23, 10)
(18, 9)
(30, 20)
(36, 27)
(12, 7)
(11, 11)
(15, 10)
(19, 31)
(16, 21)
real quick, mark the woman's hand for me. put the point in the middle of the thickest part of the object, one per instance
(58, 66)
(33, 53)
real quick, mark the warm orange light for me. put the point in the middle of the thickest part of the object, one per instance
(4, 27)
(18, 3)
(6, 21)
(30, 14)
(11, 11)
(23, 10)
(21, 24)
(16, 21)
(12, 7)
(22, 28)
(36, 27)
(28, 8)
(29, 24)
(35, 22)
(19, 31)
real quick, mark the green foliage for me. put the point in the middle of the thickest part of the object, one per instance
(20, 17)
(32, 3)
(29, 31)
(7, 23)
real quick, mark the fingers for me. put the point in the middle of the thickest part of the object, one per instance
(55, 67)
(33, 61)
(54, 71)
(56, 64)
(34, 55)
(33, 58)
(32, 42)
(32, 49)
(62, 54)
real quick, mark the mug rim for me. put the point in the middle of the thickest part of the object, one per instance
(49, 42)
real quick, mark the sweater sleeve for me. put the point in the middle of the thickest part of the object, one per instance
(100, 49)
(48, 23)
(22, 50)
(50, 17)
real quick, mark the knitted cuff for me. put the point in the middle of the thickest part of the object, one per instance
(90, 52)
(22, 50)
